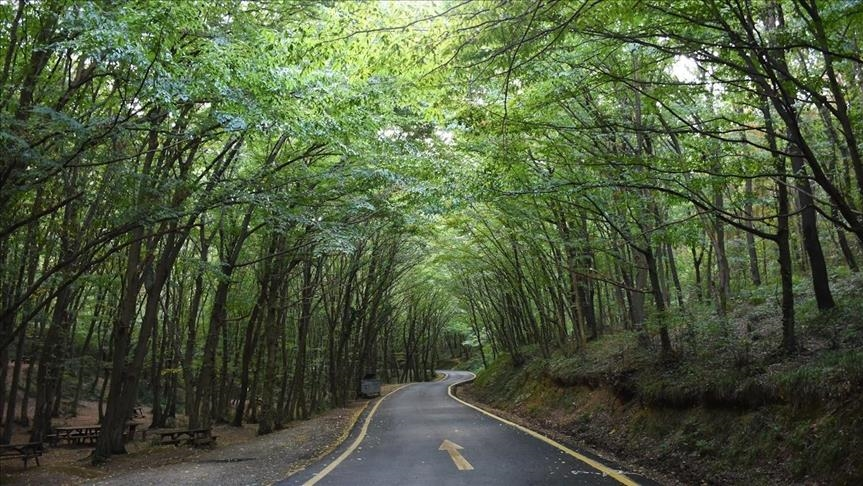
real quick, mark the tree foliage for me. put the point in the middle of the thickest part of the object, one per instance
(236, 210)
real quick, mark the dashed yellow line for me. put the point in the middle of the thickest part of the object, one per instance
(344, 455)
(617, 475)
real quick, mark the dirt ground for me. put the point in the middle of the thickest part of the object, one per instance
(551, 426)
(240, 457)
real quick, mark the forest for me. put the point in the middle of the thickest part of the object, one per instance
(234, 211)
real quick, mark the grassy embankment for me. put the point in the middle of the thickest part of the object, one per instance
(729, 409)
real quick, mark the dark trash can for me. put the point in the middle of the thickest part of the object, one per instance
(370, 386)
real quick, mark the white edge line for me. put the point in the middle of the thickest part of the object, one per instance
(617, 475)
(344, 455)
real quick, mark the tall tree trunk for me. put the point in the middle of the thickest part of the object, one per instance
(575, 297)
(696, 263)
(789, 338)
(96, 320)
(190, 402)
(271, 339)
(754, 273)
(121, 337)
(249, 345)
(51, 360)
(658, 301)
(299, 407)
(723, 270)
(637, 295)
(124, 394)
(847, 253)
(229, 253)
(9, 422)
(811, 242)
(155, 380)
(675, 277)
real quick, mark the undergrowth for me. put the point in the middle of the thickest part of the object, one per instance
(729, 408)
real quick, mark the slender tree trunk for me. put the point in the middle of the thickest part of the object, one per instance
(249, 344)
(24, 417)
(52, 357)
(696, 262)
(221, 408)
(789, 338)
(271, 337)
(50, 366)
(190, 402)
(475, 325)
(658, 301)
(9, 423)
(637, 296)
(96, 320)
(847, 253)
(754, 273)
(672, 265)
(4, 369)
(723, 270)
(298, 385)
(811, 242)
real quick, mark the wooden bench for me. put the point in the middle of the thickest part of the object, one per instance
(25, 452)
(84, 434)
(75, 435)
(195, 437)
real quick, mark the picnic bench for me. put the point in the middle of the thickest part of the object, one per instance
(75, 435)
(84, 434)
(25, 452)
(195, 437)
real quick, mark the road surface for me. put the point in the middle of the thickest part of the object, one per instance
(420, 435)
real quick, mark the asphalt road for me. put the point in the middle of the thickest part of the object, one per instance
(403, 441)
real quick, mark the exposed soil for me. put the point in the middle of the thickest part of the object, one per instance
(767, 445)
(240, 457)
(551, 426)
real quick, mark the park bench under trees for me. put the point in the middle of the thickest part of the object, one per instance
(195, 437)
(84, 434)
(169, 232)
(25, 452)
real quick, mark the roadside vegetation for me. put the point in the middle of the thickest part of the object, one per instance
(236, 211)
(214, 210)
(759, 417)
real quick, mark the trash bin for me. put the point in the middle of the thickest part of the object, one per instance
(370, 386)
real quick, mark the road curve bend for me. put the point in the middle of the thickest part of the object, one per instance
(420, 435)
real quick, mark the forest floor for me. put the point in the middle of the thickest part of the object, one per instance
(553, 426)
(729, 408)
(240, 456)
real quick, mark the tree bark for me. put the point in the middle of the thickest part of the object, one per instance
(811, 242)
(754, 272)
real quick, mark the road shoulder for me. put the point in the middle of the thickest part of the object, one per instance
(462, 392)
(327, 461)
(249, 459)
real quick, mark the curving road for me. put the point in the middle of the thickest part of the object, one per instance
(420, 435)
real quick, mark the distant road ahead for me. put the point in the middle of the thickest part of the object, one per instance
(421, 436)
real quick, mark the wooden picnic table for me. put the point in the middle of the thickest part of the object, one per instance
(84, 434)
(25, 452)
(196, 437)
(75, 435)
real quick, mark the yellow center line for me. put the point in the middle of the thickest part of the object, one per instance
(344, 455)
(617, 475)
